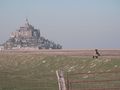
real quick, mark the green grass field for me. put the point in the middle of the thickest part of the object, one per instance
(24, 71)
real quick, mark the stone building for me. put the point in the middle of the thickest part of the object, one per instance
(27, 36)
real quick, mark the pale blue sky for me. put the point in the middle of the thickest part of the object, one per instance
(75, 24)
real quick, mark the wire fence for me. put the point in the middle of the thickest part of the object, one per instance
(93, 81)
(74, 81)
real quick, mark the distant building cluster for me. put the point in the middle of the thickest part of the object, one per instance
(29, 37)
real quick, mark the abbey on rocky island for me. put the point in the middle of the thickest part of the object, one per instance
(29, 37)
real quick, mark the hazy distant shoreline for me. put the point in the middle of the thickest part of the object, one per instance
(68, 52)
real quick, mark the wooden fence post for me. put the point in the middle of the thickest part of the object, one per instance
(61, 80)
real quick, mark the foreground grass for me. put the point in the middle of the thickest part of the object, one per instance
(24, 71)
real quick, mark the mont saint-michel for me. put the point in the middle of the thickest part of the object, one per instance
(27, 37)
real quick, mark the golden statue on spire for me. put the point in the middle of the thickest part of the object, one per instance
(27, 21)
